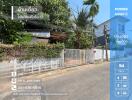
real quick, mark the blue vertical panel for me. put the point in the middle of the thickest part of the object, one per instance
(120, 50)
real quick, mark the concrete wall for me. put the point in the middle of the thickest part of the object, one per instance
(100, 54)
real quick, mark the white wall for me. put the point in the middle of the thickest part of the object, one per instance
(100, 54)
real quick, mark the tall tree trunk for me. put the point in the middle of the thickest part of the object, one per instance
(78, 39)
(92, 34)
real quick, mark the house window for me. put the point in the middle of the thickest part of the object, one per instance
(121, 28)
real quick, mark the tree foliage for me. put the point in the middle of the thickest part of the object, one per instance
(85, 41)
(94, 7)
(26, 51)
(82, 28)
(58, 11)
(56, 16)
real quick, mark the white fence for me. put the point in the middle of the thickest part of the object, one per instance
(31, 66)
(38, 65)
(100, 54)
(68, 58)
(74, 57)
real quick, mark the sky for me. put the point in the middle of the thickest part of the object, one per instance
(104, 10)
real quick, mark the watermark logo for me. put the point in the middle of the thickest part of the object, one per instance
(26, 13)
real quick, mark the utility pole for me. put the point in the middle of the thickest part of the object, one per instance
(106, 42)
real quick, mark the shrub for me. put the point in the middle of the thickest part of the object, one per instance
(23, 38)
(38, 50)
(85, 41)
(1, 54)
(5, 50)
(29, 51)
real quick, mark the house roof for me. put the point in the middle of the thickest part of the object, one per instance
(114, 18)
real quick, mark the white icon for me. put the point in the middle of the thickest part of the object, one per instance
(124, 86)
(118, 93)
(13, 87)
(118, 85)
(121, 65)
(13, 80)
(13, 74)
(118, 77)
(124, 77)
(124, 93)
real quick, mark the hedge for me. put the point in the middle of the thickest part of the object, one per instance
(29, 51)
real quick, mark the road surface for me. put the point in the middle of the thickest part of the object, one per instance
(88, 82)
(83, 84)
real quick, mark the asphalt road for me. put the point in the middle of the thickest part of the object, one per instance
(88, 82)
(82, 84)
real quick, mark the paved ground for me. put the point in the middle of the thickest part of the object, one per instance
(88, 82)
(84, 84)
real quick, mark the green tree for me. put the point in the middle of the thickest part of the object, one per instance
(85, 41)
(93, 11)
(57, 10)
(81, 37)
(94, 7)
(81, 23)
(59, 13)
(10, 29)
(9, 32)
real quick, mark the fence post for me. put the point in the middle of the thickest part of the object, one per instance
(32, 66)
(51, 63)
(15, 64)
(39, 67)
(91, 56)
(103, 56)
(84, 58)
(81, 56)
(62, 58)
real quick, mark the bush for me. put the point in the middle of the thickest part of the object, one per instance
(85, 41)
(23, 38)
(70, 43)
(38, 50)
(1, 54)
(4, 51)
(29, 51)
(9, 32)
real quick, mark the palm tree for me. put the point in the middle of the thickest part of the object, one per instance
(81, 21)
(94, 7)
(82, 25)
(94, 10)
